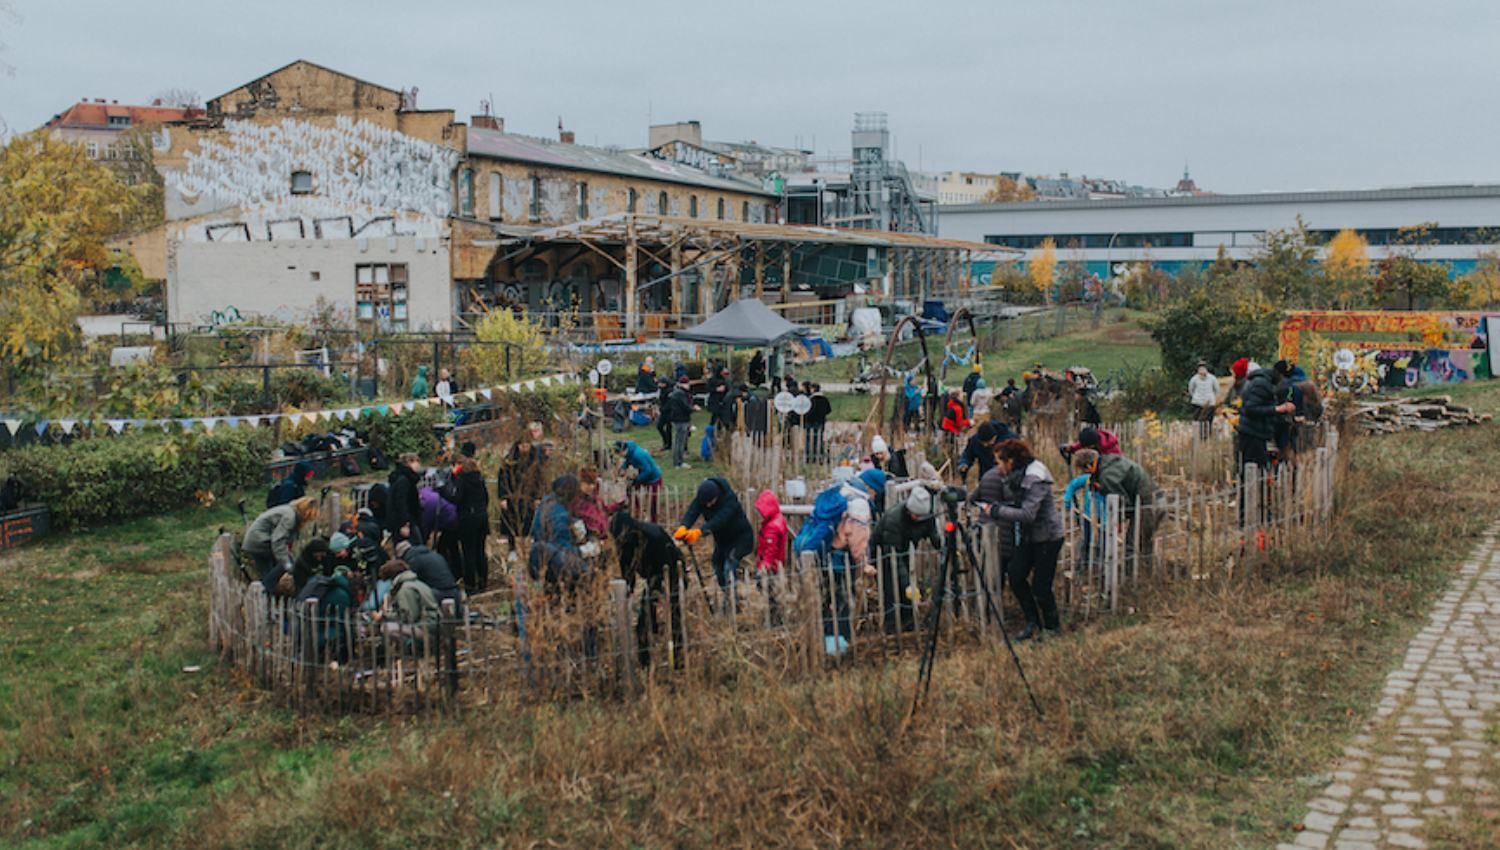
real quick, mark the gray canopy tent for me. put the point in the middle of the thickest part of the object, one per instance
(746, 322)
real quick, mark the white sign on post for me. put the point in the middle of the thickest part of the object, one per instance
(801, 405)
(784, 402)
(605, 367)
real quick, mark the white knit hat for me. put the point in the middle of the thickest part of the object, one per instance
(878, 446)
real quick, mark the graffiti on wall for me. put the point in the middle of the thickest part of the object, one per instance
(1371, 351)
(286, 180)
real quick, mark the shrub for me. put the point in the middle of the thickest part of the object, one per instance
(95, 481)
(528, 353)
(1153, 390)
(409, 432)
(1218, 325)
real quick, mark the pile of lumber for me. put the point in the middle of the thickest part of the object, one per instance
(1427, 413)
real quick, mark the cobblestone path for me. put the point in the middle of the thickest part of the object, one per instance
(1427, 744)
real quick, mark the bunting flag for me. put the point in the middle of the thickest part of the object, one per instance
(209, 422)
(41, 427)
(394, 407)
(487, 393)
(67, 425)
(116, 425)
(186, 423)
(232, 421)
(294, 418)
(11, 425)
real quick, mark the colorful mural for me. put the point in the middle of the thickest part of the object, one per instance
(1367, 351)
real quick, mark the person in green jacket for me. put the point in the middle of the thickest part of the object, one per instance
(419, 386)
(1117, 475)
(895, 536)
(268, 540)
(411, 608)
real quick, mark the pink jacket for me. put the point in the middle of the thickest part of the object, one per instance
(854, 536)
(770, 549)
(593, 513)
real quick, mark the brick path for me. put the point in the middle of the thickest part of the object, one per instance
(1427, 742)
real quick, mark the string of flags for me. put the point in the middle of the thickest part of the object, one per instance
(344, 414)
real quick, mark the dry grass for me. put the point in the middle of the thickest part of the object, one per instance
(1187, 725)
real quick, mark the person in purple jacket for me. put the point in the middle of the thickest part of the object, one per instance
(439, 521)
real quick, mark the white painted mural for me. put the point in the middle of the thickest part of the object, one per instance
(296, 180)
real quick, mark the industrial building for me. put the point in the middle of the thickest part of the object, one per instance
(1171, 232)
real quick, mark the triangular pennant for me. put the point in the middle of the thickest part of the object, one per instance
(383, 409)
(116, 425)
(186, 423)
(11, 425)
(67, 425)
(422, 403)
(209, 422)
(487, 393)
(294, 418)
(531, 386)
(41, 427)
(137, 424)
(252, 421)
(394, 408)
(324, 416)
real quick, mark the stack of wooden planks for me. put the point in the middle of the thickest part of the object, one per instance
(1426, 413)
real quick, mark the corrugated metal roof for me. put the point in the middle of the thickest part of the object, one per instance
(1407, 193)
(514, 148)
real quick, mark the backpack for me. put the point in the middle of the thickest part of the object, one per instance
(316, 588)
(349, 465)
(817, 532)
(377, 459)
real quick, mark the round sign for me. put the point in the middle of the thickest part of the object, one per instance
(1343, 359)
(593, 376)
(605, 367)
(783, 402)
(801, 405)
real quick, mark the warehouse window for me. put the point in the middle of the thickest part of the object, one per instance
(692, 206)
(630, 200)
(302, 183)
(583, 200)
(380, 295)
(495, 195)
(536, 198)
(721, 209)
(661, 203)
(466, 193)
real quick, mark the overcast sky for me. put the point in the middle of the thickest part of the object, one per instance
(1254, 94)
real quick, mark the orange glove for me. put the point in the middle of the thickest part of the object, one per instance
(693, 535)
(681, 533)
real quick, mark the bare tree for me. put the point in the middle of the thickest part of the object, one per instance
(178, 97)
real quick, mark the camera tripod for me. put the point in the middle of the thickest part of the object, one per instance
(954, 535)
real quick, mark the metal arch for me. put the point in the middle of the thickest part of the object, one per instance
(961, 314)
(887, 371)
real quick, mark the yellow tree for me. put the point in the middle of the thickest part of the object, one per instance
(1346, 268)
(58, 208)
(1480, 288)
(1042, 268)
(1007, 190)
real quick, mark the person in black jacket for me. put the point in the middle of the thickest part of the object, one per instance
(293, 486)
(404, 513)
(680, 414)
(647, 551)
(663, 420)
(756, 372)
(980, 450)
(1258, 413)
(473, 503)
(432, 569)
(723, 517)
(645, 377)
(816, 421)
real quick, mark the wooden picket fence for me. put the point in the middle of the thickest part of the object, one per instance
(589, 639)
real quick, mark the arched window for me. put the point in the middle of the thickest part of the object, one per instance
(661, 203)
(692, 206)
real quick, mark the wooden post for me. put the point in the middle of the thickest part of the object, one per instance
(625, 654)
(760, 270)
(309, 620)
(631, 271)
(679, 295)
(786, 273)
(448, 642)
(1112, 550)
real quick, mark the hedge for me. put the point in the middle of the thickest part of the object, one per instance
(107, 479)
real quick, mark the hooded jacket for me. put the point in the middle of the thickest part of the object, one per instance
(438, 514)
(272, 534)
(955, 418)
(292, 487)
(1037, 513)
(412, 602)
(406, 504)
(646, 550)
(645, 380)
(473, 495)
(897, 531)
(770, 548)
(1258, 410)
(433, 570)
(679, 406)
(725, 519)
(637, 458)
(1109, 444)
(1121, 476)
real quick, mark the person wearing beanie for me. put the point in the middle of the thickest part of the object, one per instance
(849, 551)
(897, 533)
(880, 453)
(972, 382)
(719, 508)
(980, 450)
(555, 557)
(340, 547)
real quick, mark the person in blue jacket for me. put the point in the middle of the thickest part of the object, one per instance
(647, 478)
(1085, 502)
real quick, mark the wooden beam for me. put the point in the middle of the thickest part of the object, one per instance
(786, 272)
(760, 270)
(629, 250)
(630, 277)
(679, 302)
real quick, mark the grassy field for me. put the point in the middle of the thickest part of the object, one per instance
(1204, 720)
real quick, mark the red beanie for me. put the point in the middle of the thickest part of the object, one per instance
(1240, 367)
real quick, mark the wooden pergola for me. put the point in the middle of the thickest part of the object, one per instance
(722, 252)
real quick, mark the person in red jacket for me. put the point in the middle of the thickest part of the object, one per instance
(770, 548)
(955, 415)
(1102, 441)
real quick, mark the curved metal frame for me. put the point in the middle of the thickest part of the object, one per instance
(963, 314)
(932, 381)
